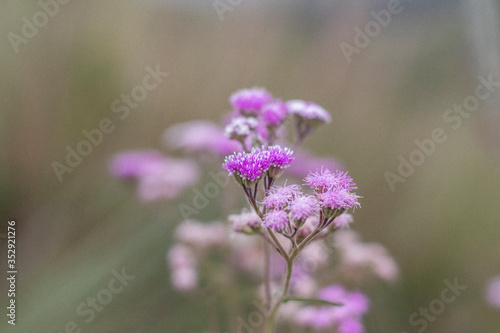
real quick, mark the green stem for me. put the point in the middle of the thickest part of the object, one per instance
(286, 284)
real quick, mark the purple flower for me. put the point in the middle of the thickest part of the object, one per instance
(199, 136)
(343, 221)
(247, 167)
(274, 113)
(276, 219)
(338, 200)
(304, 207)
(345, 318)
(280, 196)
(166, 178)
(279, 159)
(201, 235)
(351, 325)
(324, 180)
(250, 101)
(133, 163)
(240, 128)
(493, 292)
(250, 167)
(246, 222)
(308, 111)
(183, 268)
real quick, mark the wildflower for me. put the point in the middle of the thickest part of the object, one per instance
(249, 102)
(343, 221)
(302, 208)
(276, 219)
(133, 163)
(493, 292)
(247, 221)
(240, 128)
(165, 179)
(308, 111)
(199, 136)
(279, 159)
(274, 113)
(334, 202)
(247, 168)
(345, 318)
(201, 235)
(280, 196)
(324, 180)
(307, 116)
(182, 264)
(359, 260)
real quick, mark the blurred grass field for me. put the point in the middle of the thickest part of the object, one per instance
(441, 223)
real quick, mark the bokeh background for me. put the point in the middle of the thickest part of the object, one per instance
(441, 223)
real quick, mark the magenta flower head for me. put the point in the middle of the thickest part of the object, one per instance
(333, 190)
(280, 196)
(302, 208)
(247, 168)
(336, 201)
(493, 292)
(279, 159)
(249, 102)
(324, 180)
(274, 113)
(276, 220)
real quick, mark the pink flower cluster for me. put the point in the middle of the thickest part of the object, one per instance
(360, 261)
(248, 168)
(258, 117)
(333, 191)
(158, 177)
(194, 240)
(199, 136)
(344, 319)
(287, 203)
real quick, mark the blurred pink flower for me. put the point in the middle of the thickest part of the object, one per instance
(199, 136)
(250, 101)
(360, 260)
(165, 179)
(202, 235)
(344, 318)
(182, 264)
(493, 292)
(132, 164)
